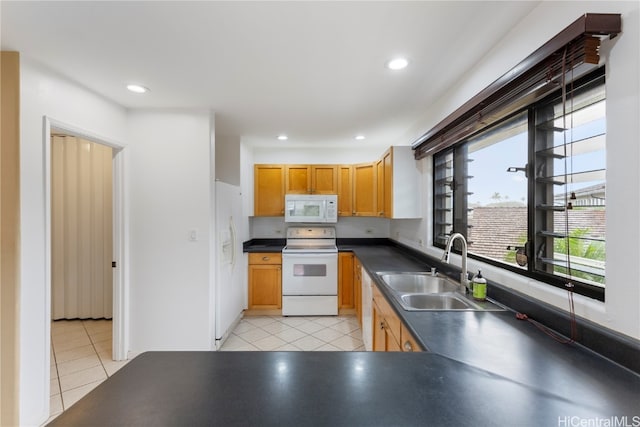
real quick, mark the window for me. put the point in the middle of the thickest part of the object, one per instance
(528, 192)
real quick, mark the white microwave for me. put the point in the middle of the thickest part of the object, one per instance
(310, 208)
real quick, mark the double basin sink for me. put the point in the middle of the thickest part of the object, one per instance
(420, 291)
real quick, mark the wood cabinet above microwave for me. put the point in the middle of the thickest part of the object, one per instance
(311, 179)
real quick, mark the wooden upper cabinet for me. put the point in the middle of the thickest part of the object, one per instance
(324, 179)
(345, 190)
(380, 194)
(311, 179)
(268, 190)
(364, 189)
(297, 179)
(387, 183)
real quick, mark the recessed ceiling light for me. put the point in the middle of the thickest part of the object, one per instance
(359, 137)
(283, 137)
(397, 64)
(137, 88)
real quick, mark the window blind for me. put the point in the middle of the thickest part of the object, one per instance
(572, 52)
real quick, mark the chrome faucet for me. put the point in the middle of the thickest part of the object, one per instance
(464, 281)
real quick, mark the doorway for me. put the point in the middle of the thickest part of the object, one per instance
(119, 241)
(81, 229)
(118, 325)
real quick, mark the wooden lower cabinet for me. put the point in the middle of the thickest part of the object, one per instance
(265, 281)
(389, 333)
(386, 324)
(407, 341)
(346, 294)
(379, 334)
(357, 288)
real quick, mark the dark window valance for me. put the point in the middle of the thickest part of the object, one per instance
(572, 52)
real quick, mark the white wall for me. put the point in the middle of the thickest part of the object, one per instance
(170, 282)
(45, 94)
(620, 311)
(227, 156)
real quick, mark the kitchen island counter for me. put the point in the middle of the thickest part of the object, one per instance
(333, 389)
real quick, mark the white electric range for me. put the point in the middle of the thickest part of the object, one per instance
(310, 272)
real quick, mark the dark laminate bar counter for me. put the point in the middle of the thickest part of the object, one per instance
(331, 389)
(483, 369)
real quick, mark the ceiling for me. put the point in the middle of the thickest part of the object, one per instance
(312, 70)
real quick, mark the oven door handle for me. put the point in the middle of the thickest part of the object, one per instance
(304, 255)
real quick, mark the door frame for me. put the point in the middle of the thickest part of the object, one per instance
(120, 225)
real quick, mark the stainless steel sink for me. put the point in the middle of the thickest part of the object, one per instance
(436, 302)
(422, 291)
(418, 283)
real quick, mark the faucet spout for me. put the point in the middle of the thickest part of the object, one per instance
(464, 281)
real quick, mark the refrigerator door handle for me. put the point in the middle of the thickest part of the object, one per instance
(232, 226)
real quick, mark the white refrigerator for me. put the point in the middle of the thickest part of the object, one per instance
(229, 289)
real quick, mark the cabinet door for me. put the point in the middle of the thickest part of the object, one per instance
(407, 341)
(345, 280)
(324, 179)
(364, 189)
(265, 286)
(297, 179)
(357, 287)
(268, 190)
(345, 190)
(391, 342)
(380, 195)
(387, 183)
(379, 335)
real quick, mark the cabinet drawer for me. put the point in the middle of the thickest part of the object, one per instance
(407, 341)
(265, 258)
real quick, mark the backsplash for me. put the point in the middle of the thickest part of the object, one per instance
(346, 227)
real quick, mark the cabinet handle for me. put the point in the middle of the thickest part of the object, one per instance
(265, 258)
(408, 346)
(381, 325)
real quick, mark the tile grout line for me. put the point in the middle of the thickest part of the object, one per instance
(55, 360)
(95, 349)
(95, 352)
(307, 334)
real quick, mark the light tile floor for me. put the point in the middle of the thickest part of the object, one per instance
(80, 360)
(277, 333)
(81, 349)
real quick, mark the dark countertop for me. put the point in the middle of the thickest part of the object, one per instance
(482, 369)
(263, 245)
(333, 389)
(496, 341)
